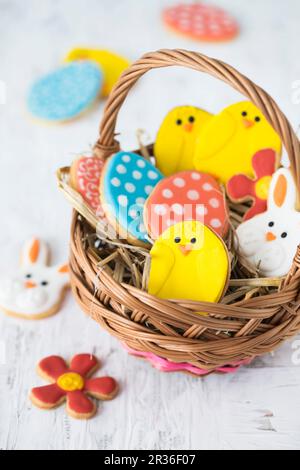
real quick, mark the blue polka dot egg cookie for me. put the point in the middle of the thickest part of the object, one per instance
(126, 182)
(65, 93)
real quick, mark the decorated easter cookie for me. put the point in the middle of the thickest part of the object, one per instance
(227, 143)
(73, 385)
(189, 261)
(85, 178)
(66, 93)
(188, 195)
(164, 365)
(126, 182)
(111, 64)
(36, 290)
(175, 142)
(269, 240)
(242, 188)
(201, 22)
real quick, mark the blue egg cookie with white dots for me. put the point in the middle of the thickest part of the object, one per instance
(66, 93)
(127, 181)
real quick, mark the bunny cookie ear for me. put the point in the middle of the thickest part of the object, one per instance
(282, 193)
(63, 269)
(35, 252)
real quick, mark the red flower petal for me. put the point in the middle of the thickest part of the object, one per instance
(259, 206)
(79, 405)
(52, 367)
(48, 396)
(264, 162)
(103, 388)
(240, 186)
(84, 364)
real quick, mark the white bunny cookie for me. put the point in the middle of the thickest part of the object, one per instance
(269, 240)
(36, 290)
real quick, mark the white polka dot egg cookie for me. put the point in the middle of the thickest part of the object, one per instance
(188, 195)
(126, 182)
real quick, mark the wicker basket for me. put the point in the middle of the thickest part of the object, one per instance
(109, 284)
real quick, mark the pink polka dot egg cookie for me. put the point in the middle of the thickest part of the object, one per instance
(188, 195)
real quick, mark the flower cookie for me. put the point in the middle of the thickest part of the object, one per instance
(188, 195)
(175, 141)
(201, 22)
(112, 65)
(226, 144)
(73, 385)
(269, 241)
(126, 182)
(189, 261)
(36, 290)
(85, 178)
(242, 188)
(65, 93)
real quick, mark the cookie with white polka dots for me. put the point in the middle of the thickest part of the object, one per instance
(201, 22)
(127, 180)
(188, 195)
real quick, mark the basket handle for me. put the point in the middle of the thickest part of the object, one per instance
(106, 145)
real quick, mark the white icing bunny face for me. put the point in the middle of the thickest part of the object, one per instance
(269, 240)
(36, 290)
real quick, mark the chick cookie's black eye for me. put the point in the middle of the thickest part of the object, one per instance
(193, 240)
(179, 122)
(257, 119)
(271, 224)
(28, 276)
(177, 240)
(244, 113)
(283, 235)
(44, 283)
(191, 119)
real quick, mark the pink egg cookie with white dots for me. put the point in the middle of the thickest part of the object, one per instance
(188, 195)
(201, 22)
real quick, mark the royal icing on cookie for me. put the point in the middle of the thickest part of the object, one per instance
(189, 261)
(269, 240)
(36, 290)
(85, 178)
(164, 365)
(201, 22)
(126, 182)
(66, 93)
(242, 188)
(227, 143)
(73, 385)
(112, 65)
(188, 195)
(175, 142)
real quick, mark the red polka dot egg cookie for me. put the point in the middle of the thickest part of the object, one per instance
(188, 195)
(201, 22)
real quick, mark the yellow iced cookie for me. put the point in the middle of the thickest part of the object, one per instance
(175, 142)
(189, 261)
(226, 144)
(111, 64)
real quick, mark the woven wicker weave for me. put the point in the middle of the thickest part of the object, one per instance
(255, 316)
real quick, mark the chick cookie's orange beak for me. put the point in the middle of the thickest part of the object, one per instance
(30, 285)
(185, 249)
(270, 236)
(247, 123)
(188, 127)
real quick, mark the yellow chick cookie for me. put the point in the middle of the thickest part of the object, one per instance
(175, 141)
(111, 64)
(189, 261)
(227, 143)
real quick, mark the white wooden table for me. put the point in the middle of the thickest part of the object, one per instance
(257, 408)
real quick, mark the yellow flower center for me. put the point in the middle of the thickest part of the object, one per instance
(70, 382)
(262, 187)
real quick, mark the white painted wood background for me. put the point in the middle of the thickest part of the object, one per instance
(257, 408)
